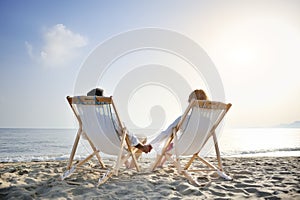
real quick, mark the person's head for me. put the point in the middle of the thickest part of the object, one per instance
(198, 95)
(95, 92)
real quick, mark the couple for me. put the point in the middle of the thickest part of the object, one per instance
(196, 94)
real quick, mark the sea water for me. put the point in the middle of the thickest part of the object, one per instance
(18, 145)
(37, 144)
(260, 142)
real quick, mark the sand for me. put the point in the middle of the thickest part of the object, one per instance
(253, 178)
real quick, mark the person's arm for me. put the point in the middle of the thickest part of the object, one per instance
(136, 143)
(164, 134)
(134, 140)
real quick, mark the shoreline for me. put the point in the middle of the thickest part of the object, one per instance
(277, 154)
(253, 177)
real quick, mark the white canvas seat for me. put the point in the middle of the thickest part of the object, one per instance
(191, 136)
(99, 123)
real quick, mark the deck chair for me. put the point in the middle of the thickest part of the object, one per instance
(99, 124)
(195, 129)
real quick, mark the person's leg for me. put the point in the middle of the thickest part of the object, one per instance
(170, 147)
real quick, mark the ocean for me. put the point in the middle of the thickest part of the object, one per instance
(19, 145)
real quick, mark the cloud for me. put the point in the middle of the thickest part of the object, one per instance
(60, 46)
(29, 49)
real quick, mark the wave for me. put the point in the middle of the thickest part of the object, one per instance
(284, 152)
(264, 152)
(38, 158)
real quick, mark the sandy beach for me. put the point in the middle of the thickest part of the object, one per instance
(253, 178)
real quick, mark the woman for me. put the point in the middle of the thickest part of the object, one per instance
(158, 141)
(197, 95)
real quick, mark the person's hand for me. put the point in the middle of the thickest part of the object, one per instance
(147, 148)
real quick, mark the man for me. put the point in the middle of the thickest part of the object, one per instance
(133, 139)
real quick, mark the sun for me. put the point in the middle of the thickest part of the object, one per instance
(240, 55)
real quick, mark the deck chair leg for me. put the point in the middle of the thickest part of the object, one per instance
(163, 152)
(190, 178)
(176, 150)
(156, 162)
(97, 154)
(220, 165)
(120, 160)
(126, 157)
(117, 166)
(207, 163)
(180, 171)
(105, 177)
(159, 159)
(86, 159)
(220, 173)
(74, 148)
(132, 154)
(175, 162)
(190, 162)
(217, 151)
(73, 169)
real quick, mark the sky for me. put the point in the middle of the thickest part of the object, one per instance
(254, 46)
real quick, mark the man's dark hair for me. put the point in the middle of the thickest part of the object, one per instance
(95, 92)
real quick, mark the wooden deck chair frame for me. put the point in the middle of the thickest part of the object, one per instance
(173, 138)
(124, 142)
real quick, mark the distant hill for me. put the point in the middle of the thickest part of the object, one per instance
(295, 124)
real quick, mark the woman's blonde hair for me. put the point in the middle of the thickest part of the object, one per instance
(198, 94)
